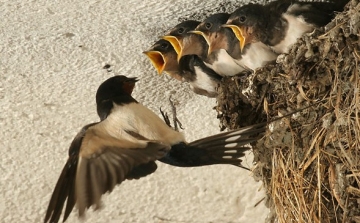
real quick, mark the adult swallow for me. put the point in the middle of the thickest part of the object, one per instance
(125, 145)
(164, 58)
(202, 79)
(224, 47)
(280, 23)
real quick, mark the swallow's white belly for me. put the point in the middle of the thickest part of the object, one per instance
(137, 118)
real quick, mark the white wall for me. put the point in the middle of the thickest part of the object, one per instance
(47, 93)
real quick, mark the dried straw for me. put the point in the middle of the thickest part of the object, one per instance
(310, 164)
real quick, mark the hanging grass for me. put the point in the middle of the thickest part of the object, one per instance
(309, 163)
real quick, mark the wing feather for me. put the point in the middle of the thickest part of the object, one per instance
(106, 162)
(97, 163)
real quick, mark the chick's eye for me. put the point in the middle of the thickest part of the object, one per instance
(242, 18)
(164, 45)
(208, 25)
(181, 30)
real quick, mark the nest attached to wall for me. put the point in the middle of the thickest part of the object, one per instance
(309, 163)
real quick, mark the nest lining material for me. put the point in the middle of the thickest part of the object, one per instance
(310, 164)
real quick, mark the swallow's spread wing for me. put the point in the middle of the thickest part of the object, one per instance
(97, 162)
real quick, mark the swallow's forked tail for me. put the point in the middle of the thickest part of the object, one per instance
(223, 148)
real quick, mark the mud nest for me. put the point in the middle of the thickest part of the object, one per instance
(309, 163)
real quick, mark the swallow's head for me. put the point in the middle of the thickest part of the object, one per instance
(115, 86)
(211, 28)
(247, 15)
(180, 38)
(159, 53)
(183, 28)
(213, 23)
(164, 58)
(244, 21)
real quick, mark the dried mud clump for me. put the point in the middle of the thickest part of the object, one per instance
(309, 163)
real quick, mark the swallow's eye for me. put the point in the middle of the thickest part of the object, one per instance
(164, 45)
(208, 25)
(181, 30)
(242, 18)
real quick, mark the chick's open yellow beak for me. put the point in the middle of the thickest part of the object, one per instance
(206, 37)
(157, 59)
(239, 33)
(176, 43)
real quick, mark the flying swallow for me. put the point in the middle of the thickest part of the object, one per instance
(280, 23)
(125, 144)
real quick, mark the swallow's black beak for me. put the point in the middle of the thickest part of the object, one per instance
(133, 79)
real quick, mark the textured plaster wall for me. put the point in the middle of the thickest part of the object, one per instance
(52, 55)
